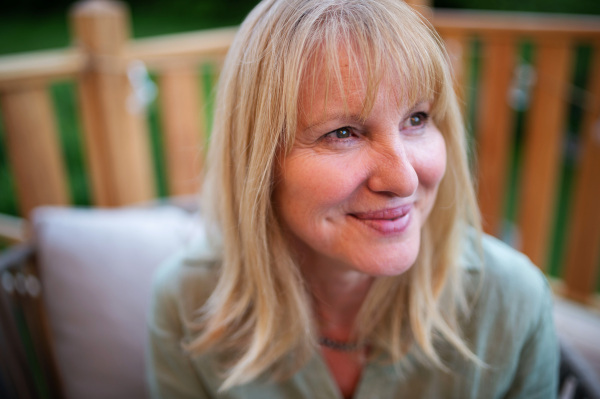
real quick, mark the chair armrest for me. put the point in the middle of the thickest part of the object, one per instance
(14, 257)
(30, 369)
(577, 380)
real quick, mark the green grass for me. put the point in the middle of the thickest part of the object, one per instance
(64, 100)
(20, 32)
(552, 6)
(8, 202)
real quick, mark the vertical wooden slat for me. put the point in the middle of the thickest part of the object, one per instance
(115, 134)
(33, 148)
(457, 44)
(183, 126)
(584, 240)
(544, 132)
(494, 128)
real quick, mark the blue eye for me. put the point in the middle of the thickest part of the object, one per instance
(418, 119)
(342, 133)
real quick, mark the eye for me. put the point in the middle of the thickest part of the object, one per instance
(416, 120)
(341, 133)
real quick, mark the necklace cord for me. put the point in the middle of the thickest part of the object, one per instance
(340, 345)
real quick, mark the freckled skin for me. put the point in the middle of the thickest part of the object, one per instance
(391, 159)
(352, 196)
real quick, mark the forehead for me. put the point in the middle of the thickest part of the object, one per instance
(345, 81)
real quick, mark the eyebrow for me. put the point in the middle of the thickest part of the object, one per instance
(336, 116)
(356, 118)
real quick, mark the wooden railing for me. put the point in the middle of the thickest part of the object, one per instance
(116, 139)
(553, 39)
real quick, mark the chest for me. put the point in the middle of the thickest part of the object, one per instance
(345, 368)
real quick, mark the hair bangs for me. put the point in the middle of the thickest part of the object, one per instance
(376, 43)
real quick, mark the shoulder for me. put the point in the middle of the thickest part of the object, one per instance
(499, 266)
(181, 285)
(181, 270)
(504, 285)
(509, 324)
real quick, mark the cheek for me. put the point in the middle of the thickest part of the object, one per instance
(432, 162)
(316, 181)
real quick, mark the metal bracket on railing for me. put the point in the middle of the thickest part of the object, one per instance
(519, 93)
(8, 282)
(143, 88)
(21, 283)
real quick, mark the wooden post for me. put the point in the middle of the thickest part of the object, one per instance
(458, 46)
(183, 126)
(584, 239)
(423, 7)
(115, 133)
(494, 128)
(419, 3)
(546, 122)
(33, 148)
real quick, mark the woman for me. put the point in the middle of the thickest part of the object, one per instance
(342, 256)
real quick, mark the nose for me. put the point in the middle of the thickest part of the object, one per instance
(392, 171)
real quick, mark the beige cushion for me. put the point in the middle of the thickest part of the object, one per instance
(96, 268)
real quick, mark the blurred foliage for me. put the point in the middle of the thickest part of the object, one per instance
(27, 25)
(67, 119)
(552, 6)
(34, 25)
(236, 9)
(222, 8)
(8, 201)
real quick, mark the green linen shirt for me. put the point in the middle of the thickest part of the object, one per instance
(510, 328)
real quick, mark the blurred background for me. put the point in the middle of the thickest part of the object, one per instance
(31, 25)
(37, 24)
(529, 84)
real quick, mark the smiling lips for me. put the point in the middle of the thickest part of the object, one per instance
(386, 221)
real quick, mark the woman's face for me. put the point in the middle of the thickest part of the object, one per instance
(354, 194)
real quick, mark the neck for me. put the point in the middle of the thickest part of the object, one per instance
(338, 295)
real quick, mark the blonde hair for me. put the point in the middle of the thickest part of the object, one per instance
(259, 317)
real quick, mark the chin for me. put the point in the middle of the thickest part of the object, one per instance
(388, 265)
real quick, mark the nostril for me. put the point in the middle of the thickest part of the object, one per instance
(398, 178)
